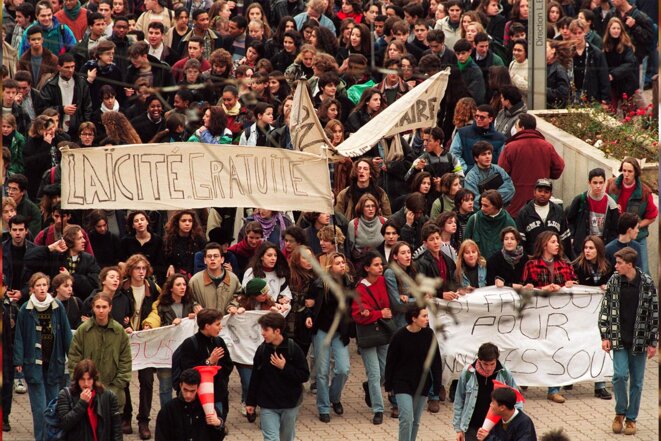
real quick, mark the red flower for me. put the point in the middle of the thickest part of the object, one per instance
(625, 96)
(628, 118)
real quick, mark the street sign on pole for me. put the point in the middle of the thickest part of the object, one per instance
(537, 55)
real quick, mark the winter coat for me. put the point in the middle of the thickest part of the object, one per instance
(109, 348)
(528, 157)
(72, 412)
(476, 175)
(106, 75)
(506, 118)
(8, 264)
(206, 294)
(466, 137)
(485, 231)
(623, 67)
(47, 70)
(164, 315)
(595, 84)
(578, 219)
(58, 38)
(474, 81)
(27, 343)
(497, 266)
(52, 96)
(530, 225)
(77, 26)
(557, 86)
(16, 150)
(637, 203)
(426, 264)
(182, 421)
(345, 204)
(85, 279)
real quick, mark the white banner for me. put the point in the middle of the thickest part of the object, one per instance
(154, 347)
(307, 135)
(194, 175)
(416, 109)
(554, 342)
(242, 335)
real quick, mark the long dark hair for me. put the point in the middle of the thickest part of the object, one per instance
(166, 299)
(602, 264)
(86, 366)
(172, 230)
(281, 267)
(217, 121)
(301, 278)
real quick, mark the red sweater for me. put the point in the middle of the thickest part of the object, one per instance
(366, 302)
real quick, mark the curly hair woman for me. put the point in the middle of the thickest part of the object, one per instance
(183, 238)
(118, 127)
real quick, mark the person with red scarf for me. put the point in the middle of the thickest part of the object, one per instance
(243, 250)
(88, 411)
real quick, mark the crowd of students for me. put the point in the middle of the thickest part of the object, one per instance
(470, 200)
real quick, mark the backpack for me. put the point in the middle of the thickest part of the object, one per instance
(176, 363)
(52, 423)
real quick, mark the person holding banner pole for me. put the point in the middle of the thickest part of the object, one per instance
(549, 271)
(629, 326)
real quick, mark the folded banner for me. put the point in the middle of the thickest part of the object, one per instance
(416, 109)
(554, 342)
(307, 134)
(194, 175)
(243, 335)
(154, 348)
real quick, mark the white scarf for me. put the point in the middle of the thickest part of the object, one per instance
(115, 107)
(41, 306)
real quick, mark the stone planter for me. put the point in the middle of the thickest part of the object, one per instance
(580, 157)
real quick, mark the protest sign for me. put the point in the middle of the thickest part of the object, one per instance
(307, 135)
(554, 342)
(154, 347)
(242, 335)
(416, 109)
(194, 175)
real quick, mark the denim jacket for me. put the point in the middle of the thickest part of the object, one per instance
(466, 395)
(481, 277)
(27, 343)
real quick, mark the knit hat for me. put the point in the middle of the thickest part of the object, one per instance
(256, 287)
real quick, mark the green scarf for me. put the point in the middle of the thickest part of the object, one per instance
(462, 66)
(73, 13)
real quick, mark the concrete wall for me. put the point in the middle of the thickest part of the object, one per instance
(580, 158)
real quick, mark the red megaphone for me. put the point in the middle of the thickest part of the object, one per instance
(205, 392)
(491, 418)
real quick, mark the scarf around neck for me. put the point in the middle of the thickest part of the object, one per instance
(41, 306)
(513, 257)
(115, 107)
(463, 66)
(369, 233)
(268, 225)
(73, 13)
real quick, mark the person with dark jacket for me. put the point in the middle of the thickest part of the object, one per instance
(519, 426)
(88, 411)
(434, 263)
(184, 419)
(557, 80)
(638, 25)
(69, 94)
(66, 255)
(622, 63)
(540, 214)
(405, 362)
(14, 250)
(319, 319)
(206, 348)
(149, 123)
(276, 385)
(590, 67)
(106, 245)
(411, 218)
(142, 62)
(506, 267)
(470, 71)
(593, 212)
(482, 129)
(120, 29)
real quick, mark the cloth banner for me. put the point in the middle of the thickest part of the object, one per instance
(554, 342)
(416, 109)
(154, 347)
(242, 335)
(194, 175)
(307, 135)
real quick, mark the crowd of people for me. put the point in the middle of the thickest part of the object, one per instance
(470, 200)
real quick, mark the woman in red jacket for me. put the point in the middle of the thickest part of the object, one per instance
(372, 305)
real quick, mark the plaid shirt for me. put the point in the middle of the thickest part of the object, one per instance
(537, 272)
(646, 326)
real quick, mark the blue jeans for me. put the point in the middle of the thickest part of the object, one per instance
(40, 395)
(553, 390)
(374, 360)
(245, 373)
(625, 363)
(279, 424)
(644, 261)
(164, 385)
(410, 411)
(326, 395)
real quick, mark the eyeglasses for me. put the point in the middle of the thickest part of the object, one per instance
(13, 189)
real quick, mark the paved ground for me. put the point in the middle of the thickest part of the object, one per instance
(583, 416)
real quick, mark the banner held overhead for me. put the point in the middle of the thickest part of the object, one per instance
(194, 175)
(415, 110)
